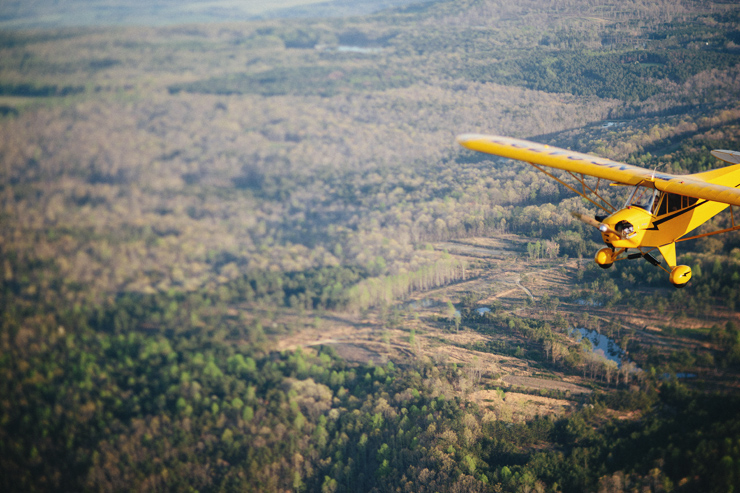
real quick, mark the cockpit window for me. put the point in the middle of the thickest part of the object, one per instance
(671, 202)
(642, 197)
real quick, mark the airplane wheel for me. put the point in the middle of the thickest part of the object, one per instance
(605, 258)
(680, 276)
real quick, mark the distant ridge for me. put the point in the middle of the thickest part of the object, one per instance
(35, 14)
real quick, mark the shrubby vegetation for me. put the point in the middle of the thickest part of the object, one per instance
(173, 201)
(167, 403)
(625, 76)
(323, 81)
(29, 90)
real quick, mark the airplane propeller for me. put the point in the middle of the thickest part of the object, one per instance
(593, 222)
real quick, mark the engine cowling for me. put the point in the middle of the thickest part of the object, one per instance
(626, 227)
(680, 275)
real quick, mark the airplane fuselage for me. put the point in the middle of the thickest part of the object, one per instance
(674, 216)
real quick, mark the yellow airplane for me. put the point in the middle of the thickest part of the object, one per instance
(661, 209)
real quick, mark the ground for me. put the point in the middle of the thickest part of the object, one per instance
(500, 276)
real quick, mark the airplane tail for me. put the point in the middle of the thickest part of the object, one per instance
(730, 157)
(729, 175)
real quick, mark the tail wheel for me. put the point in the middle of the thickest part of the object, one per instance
(680, 275)
(605, 258)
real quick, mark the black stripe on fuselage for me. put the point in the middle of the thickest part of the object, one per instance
(675, 215)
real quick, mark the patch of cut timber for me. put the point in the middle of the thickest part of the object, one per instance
(546, 404)
(544, 384)
(357, 354)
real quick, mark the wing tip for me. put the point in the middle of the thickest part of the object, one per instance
(462, 139)
(474, 141)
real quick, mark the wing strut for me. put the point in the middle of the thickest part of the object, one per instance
(583, 193)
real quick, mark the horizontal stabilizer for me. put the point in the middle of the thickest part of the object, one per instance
(732, 157)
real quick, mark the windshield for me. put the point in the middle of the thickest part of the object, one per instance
(642, 197)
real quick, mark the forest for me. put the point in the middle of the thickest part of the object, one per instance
(250, 256)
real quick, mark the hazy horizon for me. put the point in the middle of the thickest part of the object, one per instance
(40, 14)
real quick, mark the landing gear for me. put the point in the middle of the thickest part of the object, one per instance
(680, 275)
(605, 258)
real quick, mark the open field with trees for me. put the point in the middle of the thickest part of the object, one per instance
(251, 255)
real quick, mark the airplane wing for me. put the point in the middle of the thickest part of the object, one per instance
(716, 185)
